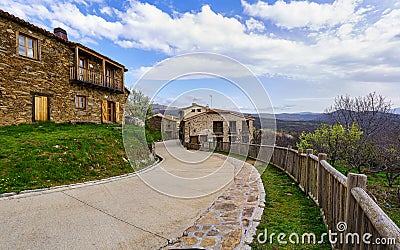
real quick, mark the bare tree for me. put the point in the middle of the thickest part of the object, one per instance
(388, 147)
(372, 113)
(138, 105)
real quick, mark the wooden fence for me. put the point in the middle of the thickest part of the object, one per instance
(348, 210)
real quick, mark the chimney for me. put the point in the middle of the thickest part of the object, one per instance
(61, 33)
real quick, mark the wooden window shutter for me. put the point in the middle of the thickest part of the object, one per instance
(104, 110)
(117, 112)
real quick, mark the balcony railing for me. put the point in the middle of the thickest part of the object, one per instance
(96, 79)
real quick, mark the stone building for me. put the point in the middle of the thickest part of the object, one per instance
(217, 125)
(166, 124)
(44, 76)
(192, 110)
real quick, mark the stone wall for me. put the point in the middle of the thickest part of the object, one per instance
(203, 124)
(21, 78)
(187, 112)
(168, 127)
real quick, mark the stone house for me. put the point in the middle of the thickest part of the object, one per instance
(192, 110)
(167, 124)
(217, 125)
(44, 76)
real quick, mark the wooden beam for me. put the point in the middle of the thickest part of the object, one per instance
(77, 62)
(104, 72)
(98, 55)
(123, 81)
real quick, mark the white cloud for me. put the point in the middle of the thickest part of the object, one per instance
(357, 42)
(303, 13)
(255, 25)
(106, 10)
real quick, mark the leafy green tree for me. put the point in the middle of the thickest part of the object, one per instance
(334, 140)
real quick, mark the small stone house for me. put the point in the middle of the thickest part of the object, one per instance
(166, 124)
(44, 76)
(217, 125)
(192, 110)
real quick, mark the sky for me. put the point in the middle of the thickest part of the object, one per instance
(304, 53)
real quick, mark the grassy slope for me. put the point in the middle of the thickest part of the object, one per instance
(288, 210)
(46, 154)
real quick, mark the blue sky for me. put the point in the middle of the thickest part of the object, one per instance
(304, 52)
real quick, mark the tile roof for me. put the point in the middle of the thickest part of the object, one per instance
(50, 34)
(218, 111)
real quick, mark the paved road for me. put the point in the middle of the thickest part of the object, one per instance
(121, 214)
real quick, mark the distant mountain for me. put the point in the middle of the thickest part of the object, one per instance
(166, 110)
(302, 116)
(396, 111)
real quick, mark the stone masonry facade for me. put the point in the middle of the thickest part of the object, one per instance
(164, 123)
(233, 127)
(48, 74)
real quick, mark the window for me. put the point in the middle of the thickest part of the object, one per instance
(198, 110)
(80, 102)
(27, 46)
(109, 77)
(232, 127)
(83, 65)
(218, 127)
(245, 127)
(193, 110)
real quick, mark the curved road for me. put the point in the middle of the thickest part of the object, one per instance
(125, 213)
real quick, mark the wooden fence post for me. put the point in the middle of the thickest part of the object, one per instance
(307, 187)
(353, 180)
(287, 158)
(320, 197)
(300, 168)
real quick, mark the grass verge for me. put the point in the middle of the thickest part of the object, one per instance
(47, 154)
(287, 210)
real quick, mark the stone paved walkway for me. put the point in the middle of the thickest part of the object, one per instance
(231, 221)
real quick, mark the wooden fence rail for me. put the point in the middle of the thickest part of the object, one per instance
(348, 210)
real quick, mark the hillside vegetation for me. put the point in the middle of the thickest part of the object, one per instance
(47, 154)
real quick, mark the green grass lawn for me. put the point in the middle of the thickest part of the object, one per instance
(288, 210)
(47, 154)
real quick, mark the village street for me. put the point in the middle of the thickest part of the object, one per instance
(124, 213)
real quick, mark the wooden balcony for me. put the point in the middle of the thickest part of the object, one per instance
(95, 79)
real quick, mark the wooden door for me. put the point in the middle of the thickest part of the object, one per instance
(117, 119)
(83, 65)
(104, 110)
(41, 108)
(111, 111)
(194, 140)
